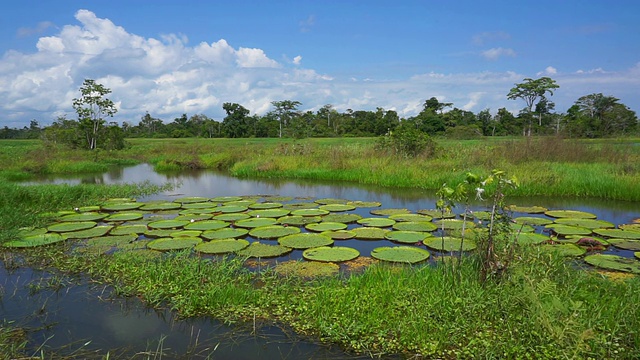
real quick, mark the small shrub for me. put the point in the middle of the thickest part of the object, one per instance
(406, 141)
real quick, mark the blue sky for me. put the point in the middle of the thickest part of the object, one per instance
(170, 57)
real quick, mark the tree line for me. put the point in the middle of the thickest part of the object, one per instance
(593, 115)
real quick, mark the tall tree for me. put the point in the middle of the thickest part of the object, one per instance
(532, 91)
(606, 116)
(235, 123)
(285, 110)
(91, 108)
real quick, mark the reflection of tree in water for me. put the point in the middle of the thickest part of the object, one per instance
(92, 179)
(116, 173)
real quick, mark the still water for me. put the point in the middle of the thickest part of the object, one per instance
(75, 317)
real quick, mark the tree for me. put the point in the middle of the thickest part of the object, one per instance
(91, 108)
(435, 105)
(600, 115)
(532, 91)
(285, 110)
(235, 123)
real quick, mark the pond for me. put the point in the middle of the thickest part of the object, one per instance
(78, 312)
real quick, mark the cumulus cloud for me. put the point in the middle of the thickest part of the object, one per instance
(495, 53)
(549, 70)
(297, 59)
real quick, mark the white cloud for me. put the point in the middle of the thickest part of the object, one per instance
(549, 70)
(297, 59)
(39, 29)
(495, 53)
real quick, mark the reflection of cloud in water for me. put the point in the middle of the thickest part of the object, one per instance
(132, 328)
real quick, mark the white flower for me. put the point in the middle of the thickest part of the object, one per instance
(479, 192)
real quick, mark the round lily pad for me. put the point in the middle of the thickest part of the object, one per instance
(30, 231)
(453, 224)
(159, 233)
(265, 205)
(221, 246)
(273, 231)
(186, 233)
(194, 217)
(327, 201)
(531, 220)
(448, 243)
(232, 217)
(370, 233)
(364, 204)
(618, 233)
(297, 220)
(309, 212)
(306, 269)
(567, 250)
(305, 240)
(198, 205)
(301, 205)
(437, 214)
(480, 215)
(272, 213)
(207, 225)
(225, 233)
(585, 223)
(129, 229)
(376, 222)
(584, 240)
(565, 230)
(637, 255)
(225, 199)
(339, 234)
(166, 244)
(255, 222)
(158, 206)
(90, 208)
(204, 211)
(631, 227)
(410, 217)
(415, 226)
(34, 240)
(191, 199)
(531, 238)
(570, 214)
(331, 254)
(167, 224)
(87, 216)
(124, 216)
(337, 207)
(342, 218)
(95, 231)
(527, 209)
(613, 262)
(626, 244)
(229, 209)
(121, 206)
(403, 254)
(522, 228)
(387, 212)
(407, 237)
(71, 226)
(325, 226)
(260, 250)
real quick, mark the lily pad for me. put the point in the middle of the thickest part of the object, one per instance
(454, 224)
(410, 217)
(626, 244)
(194, 217)
(565, 230)
(221, 246)
(110, 241)
(260, 250)
(527, 209)
(191, 199)
(273, 231)
(337, 207)
(90, 208)
(272, 213)
(481, 215)
(584, 240)
(34, 240)
(570, 214)
(71, 226)
(301, 205)
(522, 228)
(325, 226)
(531, 238)
(613, 262)
(87, 216)
(159, 206)
(631, 227)
(158, 233)
(618, 233)
(167, 244)
(309, 212)
(376, 222)
(370, 233)
(232, 217)
(449, 243)
(585, 223)
(387, 212)
(30, 231)
(327, 201)
(198, 205)
(342, 218)
(204, 211)
(421, 226)
(297, 220)
(265, 205)
(229, 209)
(637, 255)
(531, 220)
(339, 234)
(305, 240)
(186, 233)
(437, 214)
(95, 231)
(407, 237)
(121, 206)
(225, 199)
(567, 250)
(364, 204)
(129, 229)
(403, 254)
(205, 225)
(124, 216)
(331, 254)
(255, 222)
(225, 233)
(306, 269)
(167, 224)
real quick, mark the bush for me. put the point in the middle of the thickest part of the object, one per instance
(406, 141)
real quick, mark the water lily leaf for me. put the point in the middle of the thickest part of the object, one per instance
(370, 233)
(260, 250)
(613, 262)
(331, 254)
(448, 243)
(221, 246)
(159, 233)
(228, 209)
(34, 240)
(226, 199)
(407, 237)
(95, 231)
(129, 229)
(207, 225)
(437, 214)
(567, 250)
(565, 230)
(194, 217)
(231, 217)
(585, 223)
(186, 233)
(191, 199)
(309, 212)
(618, 233)
(159, 206)
(167, 244)
(198, 205)
(522, 228)
(364, 204)
(255, 222)
(121, 206)
(306, 269)
(124, 216)
(325, 226)
(89, 208)
(273, 231)
(205, 212)
(272, 213)
(342, 218)
(30, 231)
(327, 201)
(337, 207)
(135, 245)
(421, 226)
(265, 205)
(110, 241)
(637, 255)
(584, 240)
(530, 220)
(299, 206)
(527, 209)
(224, 233)
(410, 217)
(626, 244)
(531, 238)
(480, 215)
(453, 224)
(297, 220)
(305, 240)
(71, 226)
(403, 254)
(387, 212)
(630, 227)
(339, 234)
(376, 222)
(570, 214)
(167, 224)
(87, 216)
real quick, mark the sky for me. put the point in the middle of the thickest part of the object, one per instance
(173, 57)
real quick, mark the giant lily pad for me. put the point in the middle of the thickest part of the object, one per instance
(225, 233)
(167, 244)
(306, 269)
(567, 250)
(637, 255)
(159, 233)
(71, 226)
(265, 205)
(297, 220)
(121, 206)
(454, 224)
(167, 224)
(205, 225)
(387, 212)
(618, 233)
(531, 220)
(339, 234)
(364, 204)
(527, 209)
(159, 206)
(626, 244)
(531, 238)
(95, 231)
(231, 217)
(273, 231)
(331, 254)
(570, 214)
(407, 237)
(309, 212)
(199, 205)
(613, 262)
(437, 214)
(87, 216)
(110, 241)
(585, 223)
(415, 226)
(222, 246)
(272, 213)
(191, 199)
(448, 243)
(327, 201)
(301, 205)
(370, 233)
(34, 240)
(630, 227)
(255, 222)
(260, 250)
(129, 229)
(124, 216)
(186, 233)
(410, 217)
(230, 209)
(337, 207)
(325, 226)
(342, 218)
(522, 228)
(565, 230)
(376, 222)
(305, 240)
(403, 254)
(226, 199)
(194, 217)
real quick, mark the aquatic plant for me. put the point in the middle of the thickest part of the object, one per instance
(330, 254)
(401, 254)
